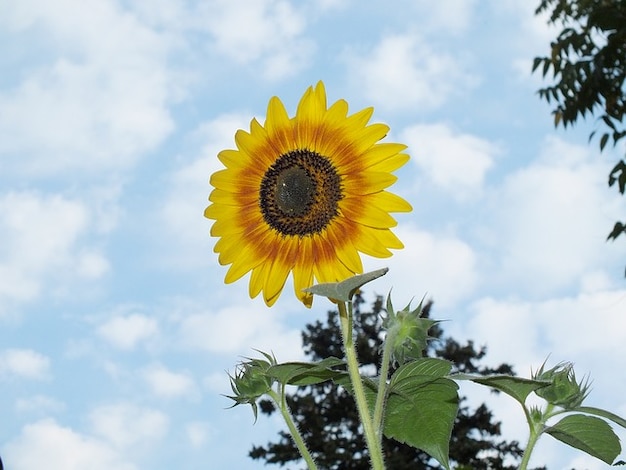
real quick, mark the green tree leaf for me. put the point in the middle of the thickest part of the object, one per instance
(422, 406)
(516, 387)
(589, 434)
(603, 140)
(618, 229)
(618, 174)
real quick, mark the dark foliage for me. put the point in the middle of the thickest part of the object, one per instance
(588, 64)
(328, 419)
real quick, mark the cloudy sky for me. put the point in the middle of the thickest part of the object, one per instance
(115, 326)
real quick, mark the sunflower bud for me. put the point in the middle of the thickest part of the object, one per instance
(251, 381)
(407, 331)
(564, 391)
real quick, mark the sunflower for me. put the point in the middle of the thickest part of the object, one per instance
(305, 195)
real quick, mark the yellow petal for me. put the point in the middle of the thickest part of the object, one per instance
(367, 182)
(366, 137)
(337, 113)
(245, 141)
(359, 119)
(390, 202)
(277, 118)
(232, 158)
(372, 242)
(358, 210)
(231, 180)
(338, 236)
(282, 264)
(382, 155)
(257, 278)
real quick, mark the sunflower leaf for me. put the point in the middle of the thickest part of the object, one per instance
(305, 373)
(422, 406)
(344, 290)
(589, 434)
(517, 387)
(603, 413)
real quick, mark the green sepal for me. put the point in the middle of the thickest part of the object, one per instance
(564, 390)
(407, 332)
(251, 381)
(589, 434)
(344, 290)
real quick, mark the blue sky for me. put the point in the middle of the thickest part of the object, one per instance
(115, 326)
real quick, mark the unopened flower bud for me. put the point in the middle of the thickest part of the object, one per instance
(564, 391)
(251, 381)
(407, 331)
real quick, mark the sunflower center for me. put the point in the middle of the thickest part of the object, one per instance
(295, 191)
(299, 193)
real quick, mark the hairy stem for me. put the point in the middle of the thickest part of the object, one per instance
(293, 429)
(536, 428)
(532, 440)
(371, 436)
(381, 396)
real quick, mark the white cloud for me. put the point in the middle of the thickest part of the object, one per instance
(450, 17)
(216, 382)
(99, 104)
(509, 330)
(239, 329)
(586, 329)
(269, 31)
(404, 73)
(329, 5)
(441, 267)
(168, 384)
(587, 462)
(531, 36)
(456, 162)
(187, 197)
(27, 216)
(551, 218)
(39, 404)
(42, 235)
(164, 14)
(127, 425)
(199, 432)
(46, 444)
(24, 363)
(125, 332)
(92, 265)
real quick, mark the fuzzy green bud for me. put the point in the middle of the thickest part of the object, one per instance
(407, 331)
(251, 381)
(564, 390)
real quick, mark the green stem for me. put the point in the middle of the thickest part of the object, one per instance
(293, 429)
(371, 437)
(381, 396)
(532, 440)
(536, 428)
